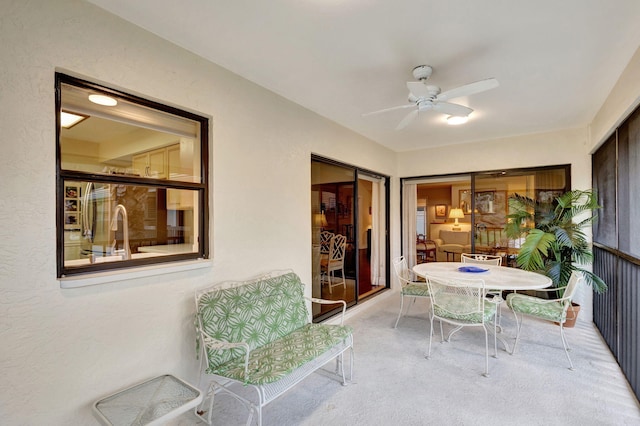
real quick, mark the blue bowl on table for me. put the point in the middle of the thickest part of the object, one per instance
(472, 269)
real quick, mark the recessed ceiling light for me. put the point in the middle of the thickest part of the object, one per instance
(68, 120)
(454, 120)
(103, 100)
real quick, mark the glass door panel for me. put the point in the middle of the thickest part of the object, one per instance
(333, 215)
(351, 205)
(371, 234)
(491, 192)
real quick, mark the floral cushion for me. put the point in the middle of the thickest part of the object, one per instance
(462, 308)
(535, 306)
(257, 313)
(416, 290)
(277, 359)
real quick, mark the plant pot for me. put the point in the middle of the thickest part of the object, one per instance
(572, 316)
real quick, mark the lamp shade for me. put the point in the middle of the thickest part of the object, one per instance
(456, 214)
(320, 220)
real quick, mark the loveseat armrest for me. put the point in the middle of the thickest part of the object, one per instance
(218, 345)
(330, 302)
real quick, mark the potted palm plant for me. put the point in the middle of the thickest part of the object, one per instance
(555, 243)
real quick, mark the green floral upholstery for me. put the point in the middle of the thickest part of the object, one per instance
(462, 308)
(541, 308)
(416, 290)
(277, 359)
(271, 316)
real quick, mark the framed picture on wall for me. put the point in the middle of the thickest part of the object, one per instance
(485, 201)
(465, 200)
(547, 195)
(72, 205)
(441, 211)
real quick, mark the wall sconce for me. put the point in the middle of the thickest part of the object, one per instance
(456, 214)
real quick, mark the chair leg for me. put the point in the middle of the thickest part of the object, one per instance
(495, 338)
(566, 347)
(431, 335)
(486, 351)
(518, 327)
(399, 313)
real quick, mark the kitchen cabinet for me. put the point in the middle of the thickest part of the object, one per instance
(180, 167)
(151, 163)
(174, 162)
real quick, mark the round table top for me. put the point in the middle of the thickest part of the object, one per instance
(496, 277)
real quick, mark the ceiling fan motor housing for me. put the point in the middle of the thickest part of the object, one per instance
(422, 72)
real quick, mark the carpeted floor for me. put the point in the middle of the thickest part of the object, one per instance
(394, 384)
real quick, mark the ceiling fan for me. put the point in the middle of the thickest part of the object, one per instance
(425, 97)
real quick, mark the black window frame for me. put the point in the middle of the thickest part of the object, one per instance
(63, 175)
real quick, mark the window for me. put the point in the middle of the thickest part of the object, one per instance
(131, 180)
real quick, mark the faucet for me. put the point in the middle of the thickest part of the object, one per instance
(125, 231)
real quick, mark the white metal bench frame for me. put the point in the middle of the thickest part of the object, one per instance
(266, 393)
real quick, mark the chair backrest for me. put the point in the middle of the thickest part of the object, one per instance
(462, 299)
(337, 248)
(402, 269)
(256, 311)
(487, 259)
(420, 239)
(325, 241)
(572, 285)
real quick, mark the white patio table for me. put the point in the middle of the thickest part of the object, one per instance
(495, 278)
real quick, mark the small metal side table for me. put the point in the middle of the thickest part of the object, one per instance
(151, 402)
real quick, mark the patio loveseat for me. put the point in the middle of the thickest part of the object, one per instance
(258, 334)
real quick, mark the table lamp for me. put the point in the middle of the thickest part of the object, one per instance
(320, 220)
(456, 214)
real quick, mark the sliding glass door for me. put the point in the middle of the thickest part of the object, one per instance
(491, 204)
(349, 233)
(471, 210)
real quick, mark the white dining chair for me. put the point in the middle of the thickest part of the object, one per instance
(481, 258)
(462, 303)
(487, 259)
(410, 287)
(335, 261)
(549, 309)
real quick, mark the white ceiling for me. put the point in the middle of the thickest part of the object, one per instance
(556, 61)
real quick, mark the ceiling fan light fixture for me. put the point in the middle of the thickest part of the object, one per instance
(455, 120)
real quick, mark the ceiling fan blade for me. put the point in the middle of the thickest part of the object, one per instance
(452, 109)
(407, 119)
(389, 109)
(469, 89)
(418, 89)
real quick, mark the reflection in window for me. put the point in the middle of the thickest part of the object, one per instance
(132, 185)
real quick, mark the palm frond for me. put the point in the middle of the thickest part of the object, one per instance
(558, 244)
(535, 247)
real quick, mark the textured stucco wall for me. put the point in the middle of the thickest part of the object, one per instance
(62, 349)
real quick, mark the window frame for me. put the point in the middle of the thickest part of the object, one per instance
(63, 175)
